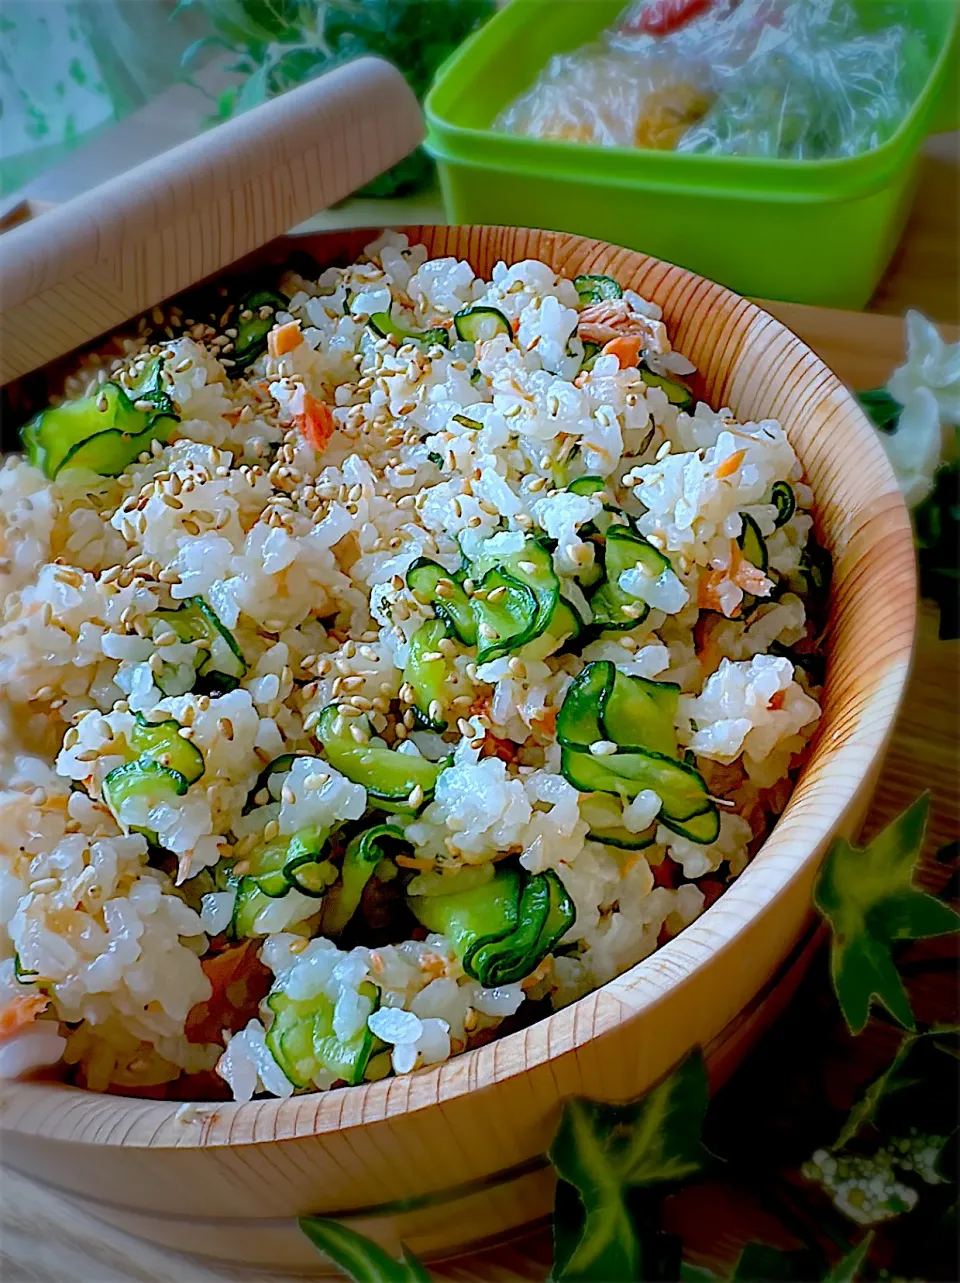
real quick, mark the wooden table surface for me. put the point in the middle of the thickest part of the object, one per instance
(45, 1240)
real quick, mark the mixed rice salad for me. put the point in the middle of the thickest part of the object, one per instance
(385, 656)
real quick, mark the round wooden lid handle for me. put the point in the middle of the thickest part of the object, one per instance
(85, 267)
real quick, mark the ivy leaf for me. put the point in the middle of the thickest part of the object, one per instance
(760, 1263)
(869, 898)
(359, 1258)
(881, 408)
(847, 1269)
(603, 1153)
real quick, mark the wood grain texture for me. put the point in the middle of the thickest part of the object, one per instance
(227, 1182)
(89, 265)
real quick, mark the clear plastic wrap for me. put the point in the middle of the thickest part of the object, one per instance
(788, 79)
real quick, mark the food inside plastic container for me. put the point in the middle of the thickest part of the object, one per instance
(788, 79)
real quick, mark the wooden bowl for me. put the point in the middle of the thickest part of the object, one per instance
(453, 1155)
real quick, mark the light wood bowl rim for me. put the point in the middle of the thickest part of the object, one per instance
(638, 989)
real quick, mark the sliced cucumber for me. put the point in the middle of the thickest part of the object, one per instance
(271, 778)
(148, 386)
(475, 323)
(703, 828)
(623, 549)
(532, 566)
(138, 782)
(678, 392)
(578, 722)
(362, 856)
(588, 486)
(786, 504)
(223, 664)
(438, 588)
(502, 928)
(161, 742)
(471, 917)
(751, 543)
(427, 671)
(383, 325)
(102, 432)
(604, 704)
(388, 776)
(639, 713)
(561, 915)
(681, 788)
(252, 332)
(508, 959)
(590, 353)
(623, 839)
(302, 1041)
(265, 871)
(505, 611)
(473, 424)
(308, 868)
(597, 289)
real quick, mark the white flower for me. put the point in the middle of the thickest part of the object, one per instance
(928, 388)
(931, 364)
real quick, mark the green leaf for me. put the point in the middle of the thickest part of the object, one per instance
(869, 899)
(602, 1152)
(881, 408)
(847, 1269)
(760, 1263)
(358, 1256)
(205, 42)
(690, 1273)
(253, 91)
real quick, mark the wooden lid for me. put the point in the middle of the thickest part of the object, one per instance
(85, 267)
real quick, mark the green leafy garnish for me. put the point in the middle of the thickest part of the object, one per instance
(604, 1152)
(869, 898)
(359, 1257)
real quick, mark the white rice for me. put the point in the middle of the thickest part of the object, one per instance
(303, 559)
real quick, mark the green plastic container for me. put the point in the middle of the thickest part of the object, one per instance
(817, 232)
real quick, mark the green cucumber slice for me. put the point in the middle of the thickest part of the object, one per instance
(623, 839)
(587, 486)
(102, 432)
(385, 327)
(597, 289)
(223, 664)
(387, 775)
(439, 588)
(428, 677)
(561, 915)
(703, 828)
(680, 787)
(472, 917)
(783, 498)
(161, 742)
(613, 609)
(578, 722)
(590, 353)
(138, 781)
(473, 424)
(751, 543)
(149, 386)
(505, 611)
(271, 778)
(308, 868)
(509, 959)
(361, 857)
(532, 566)
(302, 1042)
(251, 340)
(475, 323)
(678, 392)
(641, 713)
